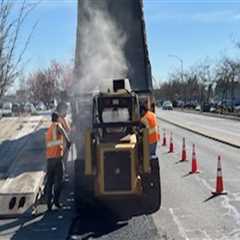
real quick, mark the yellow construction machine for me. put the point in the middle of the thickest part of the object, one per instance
(113, 165)
(117, 167)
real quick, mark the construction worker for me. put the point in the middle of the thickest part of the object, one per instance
(149, 119)
(55, 151)
(62, 111)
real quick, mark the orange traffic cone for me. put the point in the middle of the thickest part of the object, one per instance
(164, 138)
(194, 161)
(171, 144)
(184, 154)
(219, 180)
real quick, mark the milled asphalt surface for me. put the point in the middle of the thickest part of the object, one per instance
(188, 211)
(93, 226)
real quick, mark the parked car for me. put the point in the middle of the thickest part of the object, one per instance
(224, 106)
(16, 109)
(237, 109)
(7, 109)
(29, 108)
(180, 103)
(167, 105)
(213, 109)
(40, 106)
(191, 104)
(198, 108)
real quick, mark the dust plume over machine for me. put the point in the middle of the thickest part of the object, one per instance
(113, 77)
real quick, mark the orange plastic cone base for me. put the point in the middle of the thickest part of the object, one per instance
(164, 141)
(194, 167)
(219, 187)
(194, 161)
(184, 155)
(171, 148)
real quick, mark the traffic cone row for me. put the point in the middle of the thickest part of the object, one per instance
(194, 165)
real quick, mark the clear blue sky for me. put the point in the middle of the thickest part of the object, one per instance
(190, 29)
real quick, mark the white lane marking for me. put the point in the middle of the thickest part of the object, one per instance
(206, 235)
(232, 211)
(179, 225)
(236, 196)
(204, 182)
(235, 233)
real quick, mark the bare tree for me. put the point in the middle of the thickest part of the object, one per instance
(10, 29)
(228, 70)
(47, 84)
(63, 74)
(42, 87)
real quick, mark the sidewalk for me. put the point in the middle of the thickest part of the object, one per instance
(192, 124)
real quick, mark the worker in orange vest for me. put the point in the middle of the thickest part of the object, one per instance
(55, 152)
(149, 119)
(62, 111)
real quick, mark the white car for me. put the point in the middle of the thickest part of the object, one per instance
(7, 109)
(40, 106)
(167, 105)
(237, 108)
(198, 108)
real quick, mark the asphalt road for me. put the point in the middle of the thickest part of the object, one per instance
(188, 210)
(225, 130)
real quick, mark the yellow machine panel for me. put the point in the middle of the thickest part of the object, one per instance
(117, 169)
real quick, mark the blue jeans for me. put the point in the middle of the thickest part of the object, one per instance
(54, 179)
(152, 149)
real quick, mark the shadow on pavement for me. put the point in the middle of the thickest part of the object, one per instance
(187, 175)
(210, 198)
(94, 223)
(45, 226)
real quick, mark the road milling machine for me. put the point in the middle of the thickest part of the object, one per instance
(113, 165)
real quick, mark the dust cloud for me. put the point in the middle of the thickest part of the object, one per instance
(99, 59)
(99, 48)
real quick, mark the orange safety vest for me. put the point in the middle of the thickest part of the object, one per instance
(150, 121)
(54, 142)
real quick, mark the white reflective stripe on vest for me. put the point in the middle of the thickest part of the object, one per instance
(54, 143)
(150, 130)
(153, 130)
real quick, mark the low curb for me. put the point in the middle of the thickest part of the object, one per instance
(199, 133)
(214, 115)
